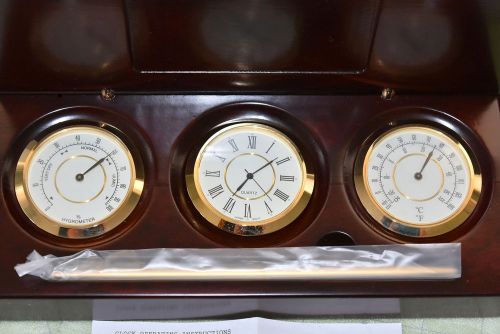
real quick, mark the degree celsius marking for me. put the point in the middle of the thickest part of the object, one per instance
(415, 143)
(426, 165)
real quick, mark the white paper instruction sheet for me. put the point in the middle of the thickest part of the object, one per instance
(242, 326)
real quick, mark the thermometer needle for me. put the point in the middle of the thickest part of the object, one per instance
(418, 175)
(80, 176)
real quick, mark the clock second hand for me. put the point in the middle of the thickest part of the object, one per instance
(257, 183)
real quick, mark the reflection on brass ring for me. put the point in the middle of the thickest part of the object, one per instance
(83, 231)
(405, 228)
(249, 228)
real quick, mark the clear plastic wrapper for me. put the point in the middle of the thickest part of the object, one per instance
(382, 262)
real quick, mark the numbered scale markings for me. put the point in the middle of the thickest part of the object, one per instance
(418, 181)
(78, 182)
(250, 179)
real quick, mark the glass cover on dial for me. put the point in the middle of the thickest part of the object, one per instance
(250, 179)
(418, 181)
(78, 182)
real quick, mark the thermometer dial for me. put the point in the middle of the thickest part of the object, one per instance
(78, 182)
(418, 181)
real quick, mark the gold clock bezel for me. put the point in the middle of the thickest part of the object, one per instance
(71, 231)
(409, 229)
(247, 228)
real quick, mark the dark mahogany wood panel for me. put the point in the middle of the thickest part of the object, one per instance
(252, 36)
(332, 123)
(314, 47)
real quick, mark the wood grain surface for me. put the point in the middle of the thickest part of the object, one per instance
(274, 46)
(166, 129)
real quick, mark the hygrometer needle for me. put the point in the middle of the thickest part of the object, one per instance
(79, 177)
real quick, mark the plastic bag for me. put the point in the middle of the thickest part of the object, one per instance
(383, 262)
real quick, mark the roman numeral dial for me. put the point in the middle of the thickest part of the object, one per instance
(250, 176)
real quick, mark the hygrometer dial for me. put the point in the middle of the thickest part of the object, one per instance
(78, 182)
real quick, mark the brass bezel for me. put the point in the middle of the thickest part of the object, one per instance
(408, 229)
(238, 227)
(84, 231)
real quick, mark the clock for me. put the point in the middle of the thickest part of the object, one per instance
(78, 182)
(418, 181)
(250, 179)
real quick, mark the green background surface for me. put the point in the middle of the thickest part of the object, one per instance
(410, 326)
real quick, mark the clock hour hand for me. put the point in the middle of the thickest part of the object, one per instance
(80, 176)
(250, 175)
(241, 185)
(257, 183)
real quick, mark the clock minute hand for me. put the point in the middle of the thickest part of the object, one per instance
(261, 168)
(250, 176)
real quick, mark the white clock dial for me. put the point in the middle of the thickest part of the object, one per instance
(250, 176)
(76, 178)
(420, 179)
